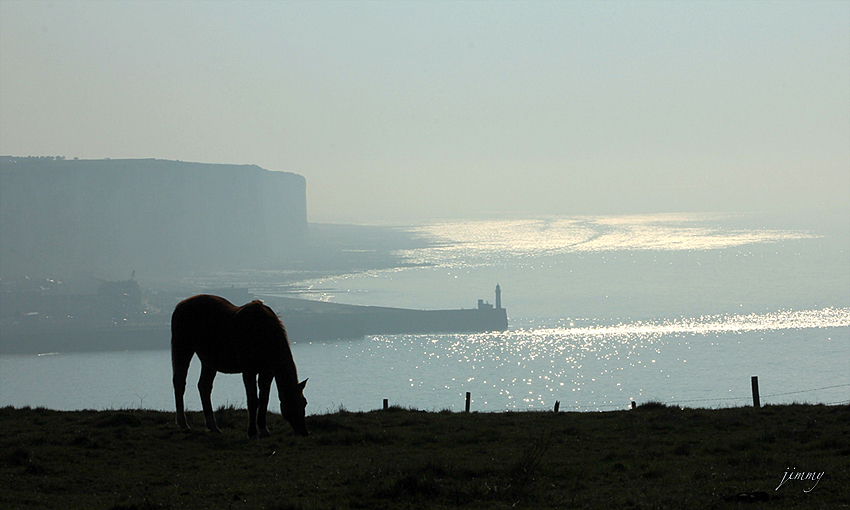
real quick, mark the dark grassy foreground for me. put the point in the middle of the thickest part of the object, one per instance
(652, 457)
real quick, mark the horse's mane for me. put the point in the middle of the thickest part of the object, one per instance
(257, 306)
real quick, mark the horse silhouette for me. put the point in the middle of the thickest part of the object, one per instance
(248, 339)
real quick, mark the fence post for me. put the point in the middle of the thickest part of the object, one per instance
(756, 402)
(467, 401)
(386, 404)
(557, 405)
(634, 404)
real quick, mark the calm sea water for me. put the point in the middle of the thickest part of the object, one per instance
(682, 309)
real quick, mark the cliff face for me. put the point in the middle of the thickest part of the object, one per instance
(114, 216)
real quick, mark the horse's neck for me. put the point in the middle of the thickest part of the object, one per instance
(286, 375)
(287, 385)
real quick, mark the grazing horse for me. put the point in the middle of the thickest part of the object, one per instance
(248, 339)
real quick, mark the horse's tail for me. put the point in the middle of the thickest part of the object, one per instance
(182, 349)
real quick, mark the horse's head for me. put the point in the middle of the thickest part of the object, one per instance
(292, 409)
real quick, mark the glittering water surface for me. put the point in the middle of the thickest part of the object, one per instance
(557, 235)
(681, 309)
(705, 362)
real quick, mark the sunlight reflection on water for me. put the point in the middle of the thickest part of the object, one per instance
(462, 241)
(604, 367)
(790, 319)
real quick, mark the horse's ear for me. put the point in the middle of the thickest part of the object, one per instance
(303, 383)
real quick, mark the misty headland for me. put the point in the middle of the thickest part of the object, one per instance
(166, 219)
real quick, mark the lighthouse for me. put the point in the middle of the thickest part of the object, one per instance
(498, 297)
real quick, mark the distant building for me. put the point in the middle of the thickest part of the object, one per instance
(106, 302)
(484, 305)
(120, 301)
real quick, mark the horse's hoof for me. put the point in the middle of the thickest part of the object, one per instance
(182, 423)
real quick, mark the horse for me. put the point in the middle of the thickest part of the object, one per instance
(248, 339)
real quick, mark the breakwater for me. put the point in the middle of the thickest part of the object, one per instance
(305, 321)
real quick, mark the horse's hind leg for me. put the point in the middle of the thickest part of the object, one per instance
(180, 360)
(250, 380)
(205, 385)
(265, 387)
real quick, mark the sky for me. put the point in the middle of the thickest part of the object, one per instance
(399, 112)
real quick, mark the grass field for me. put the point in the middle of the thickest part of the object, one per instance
(651, 457)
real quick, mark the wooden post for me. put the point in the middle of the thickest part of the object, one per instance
(467, 401)
(557, 405)
(756, 402)
(634, 404)
(386, 404)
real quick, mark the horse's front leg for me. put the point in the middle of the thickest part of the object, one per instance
(265, 388)
(205, 385)
(250, 380)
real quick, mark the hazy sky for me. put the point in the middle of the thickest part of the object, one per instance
(402, 111)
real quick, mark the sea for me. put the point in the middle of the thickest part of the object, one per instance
(604, 312)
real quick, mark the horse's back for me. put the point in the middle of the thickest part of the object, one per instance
(202, 314)
(202, 324)
(228, 338)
